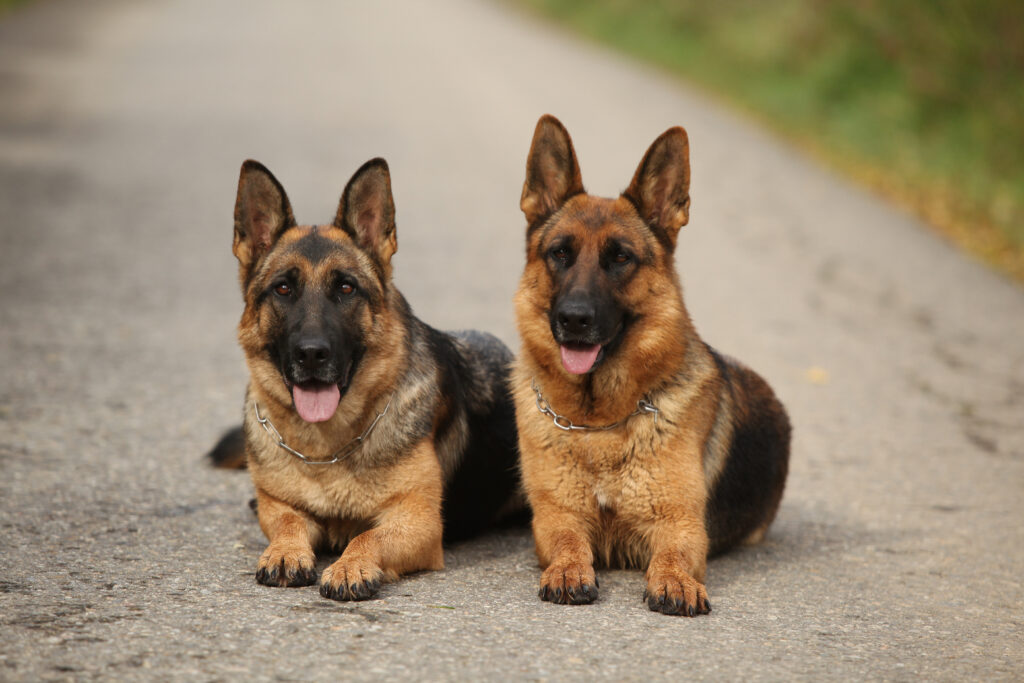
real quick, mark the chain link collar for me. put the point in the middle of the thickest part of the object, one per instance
(564, 423)
(340, 454)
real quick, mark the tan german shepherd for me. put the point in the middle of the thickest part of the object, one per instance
(365, 429)
(640, 444)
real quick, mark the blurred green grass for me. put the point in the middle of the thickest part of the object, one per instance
(8, 4)
(923, 101)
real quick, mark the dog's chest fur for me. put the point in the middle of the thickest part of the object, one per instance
(353, 488)
(616, 469)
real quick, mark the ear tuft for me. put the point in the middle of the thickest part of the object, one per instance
(552, 171)
(661, 185)
(262, 213)
(367, 211)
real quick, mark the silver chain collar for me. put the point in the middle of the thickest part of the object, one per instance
(340, 454)
(564, 423)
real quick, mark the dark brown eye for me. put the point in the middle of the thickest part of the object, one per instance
(283, 289)
(346, 288)
(621, 257)
(560, 253)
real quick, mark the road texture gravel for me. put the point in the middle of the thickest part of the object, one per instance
(899, 547)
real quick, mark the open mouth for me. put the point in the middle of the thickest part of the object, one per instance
(317, 401)
(579, 359)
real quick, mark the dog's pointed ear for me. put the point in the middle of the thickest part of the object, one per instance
(661, 185)
(552, 171)
(262, 213)
(367, 211)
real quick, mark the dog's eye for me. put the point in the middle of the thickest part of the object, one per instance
(346, 288)
(621, 257)
(560, 254)
(283, 289)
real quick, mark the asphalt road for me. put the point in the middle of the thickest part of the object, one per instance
(899, 547)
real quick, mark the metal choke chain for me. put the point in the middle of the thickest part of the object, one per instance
(340, 454)
(564, 423)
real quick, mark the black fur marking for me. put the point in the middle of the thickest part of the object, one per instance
(750, 485)
(314, 247)
(487, 474)
(311, 315)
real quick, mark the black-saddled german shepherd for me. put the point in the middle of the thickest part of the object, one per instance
(640, 444)
(365, 429)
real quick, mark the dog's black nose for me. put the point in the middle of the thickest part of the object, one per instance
(312, 354)
(576, 316)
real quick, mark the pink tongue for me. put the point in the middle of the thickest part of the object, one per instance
(316, 402)
(578, 359)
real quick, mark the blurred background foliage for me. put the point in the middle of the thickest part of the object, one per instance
(7, 4)
(922, 100)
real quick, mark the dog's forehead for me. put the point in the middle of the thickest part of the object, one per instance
(315, 246)
(598, 218)
(588, 213)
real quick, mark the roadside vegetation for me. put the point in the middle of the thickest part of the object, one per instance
(8, 4)
(922, 101)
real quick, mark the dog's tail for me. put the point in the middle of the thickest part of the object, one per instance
(229, 453)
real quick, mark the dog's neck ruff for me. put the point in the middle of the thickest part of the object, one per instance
(565, 424)
(339, 455)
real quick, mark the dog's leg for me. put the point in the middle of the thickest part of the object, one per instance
(564, 550)
(675, 576)
(289, 559)
(405, 538)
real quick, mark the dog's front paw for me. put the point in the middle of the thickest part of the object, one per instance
(351, 579)
(284, 566)
(570, 583)
(676, 592)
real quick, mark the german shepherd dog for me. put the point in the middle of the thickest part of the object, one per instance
(640, 445)
(364, 428)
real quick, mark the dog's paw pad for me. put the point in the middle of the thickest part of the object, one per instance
(676, 592)
(283, 567)
(351, 580)
(568, 584)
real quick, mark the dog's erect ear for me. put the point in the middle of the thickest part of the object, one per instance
(367, 211)
(262, 213)
(552, 171)
(661, 186)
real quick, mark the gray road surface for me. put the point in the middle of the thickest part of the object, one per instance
(899, 547)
